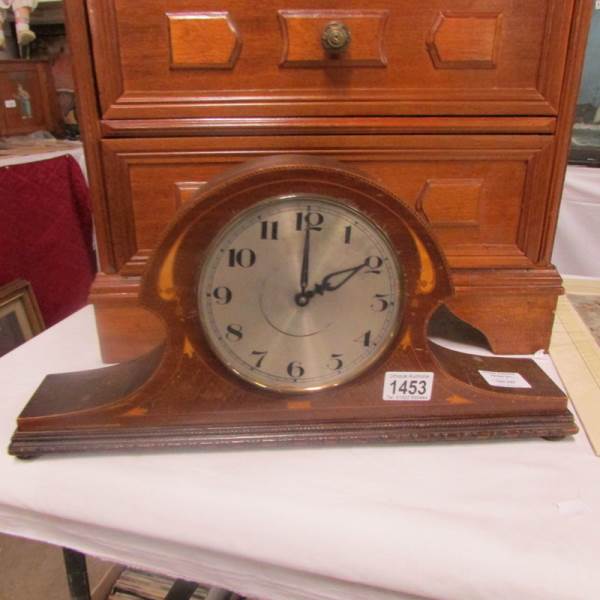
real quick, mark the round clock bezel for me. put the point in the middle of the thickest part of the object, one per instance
(264, 205)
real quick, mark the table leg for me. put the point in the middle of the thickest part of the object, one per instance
(181, 590)
(77, 576)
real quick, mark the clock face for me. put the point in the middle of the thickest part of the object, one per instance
(300, 293)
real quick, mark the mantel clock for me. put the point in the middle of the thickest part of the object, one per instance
(295, 295)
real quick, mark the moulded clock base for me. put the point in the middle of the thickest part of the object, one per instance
(440, 429)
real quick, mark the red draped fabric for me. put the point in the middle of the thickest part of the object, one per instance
(46, 233)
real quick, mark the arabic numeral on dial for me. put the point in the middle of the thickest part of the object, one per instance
(336, 362)
(295, 370)
(222, 295)
(242, 258)
(313, 220)
(268, 230)
(261, 356)
(364, 339)
(347, 234)
(234, 332)
(380, 304)
(374, 264)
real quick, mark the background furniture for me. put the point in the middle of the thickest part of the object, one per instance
(506, 519)
(585, 148)
(42, 149)
(20, 317)
(462, 108)
(27, 98)
(46, 230)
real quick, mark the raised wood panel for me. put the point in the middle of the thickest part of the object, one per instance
(302, 32)
(496, 179)
(528, 51)
(453, 204)
(208, 40)
(466, 40)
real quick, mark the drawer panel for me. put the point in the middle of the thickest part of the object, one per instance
(192, 58)
(482, 194)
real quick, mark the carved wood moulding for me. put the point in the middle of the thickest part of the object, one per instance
(203, 40)
(451, 202)
(465, 40)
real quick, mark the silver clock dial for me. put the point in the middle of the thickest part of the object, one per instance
(299, 293)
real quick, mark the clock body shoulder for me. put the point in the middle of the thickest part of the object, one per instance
(464, 113)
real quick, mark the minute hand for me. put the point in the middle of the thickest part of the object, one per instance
(305, 259)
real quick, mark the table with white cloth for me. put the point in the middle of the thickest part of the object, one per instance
(43, 150)
(504, 519)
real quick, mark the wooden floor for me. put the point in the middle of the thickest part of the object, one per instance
(35, 571)
(576, 355)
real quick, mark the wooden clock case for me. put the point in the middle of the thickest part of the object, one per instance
(462, 108)
(180, 394)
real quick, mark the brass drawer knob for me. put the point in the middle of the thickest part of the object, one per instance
(335, 38)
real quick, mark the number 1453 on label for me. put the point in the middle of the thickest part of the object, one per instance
(407, 387)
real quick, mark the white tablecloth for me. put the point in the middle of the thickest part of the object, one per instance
(577, 245)
(495, 520)
(44, 151)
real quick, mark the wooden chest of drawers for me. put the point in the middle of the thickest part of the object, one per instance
(461, 107)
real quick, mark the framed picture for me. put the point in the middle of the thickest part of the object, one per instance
(20, 317)
(585, 146)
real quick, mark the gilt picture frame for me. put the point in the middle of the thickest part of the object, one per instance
(20, 316)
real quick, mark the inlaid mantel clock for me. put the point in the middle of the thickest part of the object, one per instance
(295, 294)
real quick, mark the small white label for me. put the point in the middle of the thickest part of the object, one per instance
(597, 4)
(505, 380)
(10, 103)
(407, 387)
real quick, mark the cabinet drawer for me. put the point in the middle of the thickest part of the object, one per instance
(485, 196)
(198, 58)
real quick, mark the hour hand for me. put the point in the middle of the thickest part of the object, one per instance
(329, 283)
